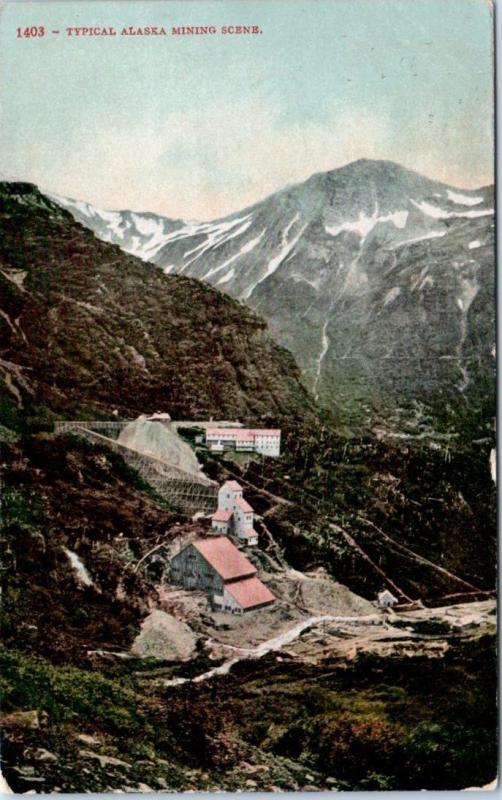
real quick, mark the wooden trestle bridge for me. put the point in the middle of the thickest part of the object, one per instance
(185, 490)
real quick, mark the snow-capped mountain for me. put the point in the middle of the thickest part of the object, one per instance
(141, 234)
(379, 280)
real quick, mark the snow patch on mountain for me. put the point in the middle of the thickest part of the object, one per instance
(286, 248)
(463, 199)
(364, 224)
(84, 208)
(314, 282)
(418, 280)
(152, 247)
(428, 281)
(185, 231)
(146, 225)
(227, 277)
(246, 248)
(399, 218)
(431, 211)
(468, 291)
(356, 279)
(236, 233)
(391, 295)
(217, 234)
(439, 213)
(429, 235)
(321, 357)
(154, 229)
(115, 225)
(135, 247)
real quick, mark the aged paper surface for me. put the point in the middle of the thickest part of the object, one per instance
(248, 395)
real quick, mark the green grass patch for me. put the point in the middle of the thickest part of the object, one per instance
(67, 693)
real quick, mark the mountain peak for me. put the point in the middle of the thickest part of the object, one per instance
(373, 172)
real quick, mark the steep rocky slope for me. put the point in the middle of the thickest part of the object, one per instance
(86, 329)
(379, 280)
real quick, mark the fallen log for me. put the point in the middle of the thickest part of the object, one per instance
(420, 559)
(348, 538)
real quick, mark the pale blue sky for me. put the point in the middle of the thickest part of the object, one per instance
(197, 127)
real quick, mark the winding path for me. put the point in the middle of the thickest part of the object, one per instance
(274, 644)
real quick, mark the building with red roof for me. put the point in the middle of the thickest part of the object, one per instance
(241, 520)
(243, 505)
(266, 441)
(250, 593)
(225, 557)
(234, 486)
(221, 519)
(229, 579)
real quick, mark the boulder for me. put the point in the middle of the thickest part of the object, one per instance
(104, 760)
(164, 637)
(85, 738)
(21, 719)
(41, 754)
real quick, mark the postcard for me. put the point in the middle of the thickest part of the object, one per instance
(247, 258)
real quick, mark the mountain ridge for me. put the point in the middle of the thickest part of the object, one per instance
(378, 280)
(62, 198)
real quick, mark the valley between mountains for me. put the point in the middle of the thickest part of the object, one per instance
(378, 280)
(357, 316)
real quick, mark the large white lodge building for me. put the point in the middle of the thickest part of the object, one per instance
(251, 440)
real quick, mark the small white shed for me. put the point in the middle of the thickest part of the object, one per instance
(386, 599)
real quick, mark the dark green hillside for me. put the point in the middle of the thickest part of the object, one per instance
(87, 329)
(412, 723)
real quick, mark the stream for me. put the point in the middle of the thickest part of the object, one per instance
(79, 567)
(463, 619)
(274, 644)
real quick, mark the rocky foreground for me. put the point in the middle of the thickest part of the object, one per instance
(369, 703)
(115, 680)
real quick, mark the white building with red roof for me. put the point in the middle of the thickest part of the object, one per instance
(234, 515)
(221, 520)
(266, 441)
(223, 572)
